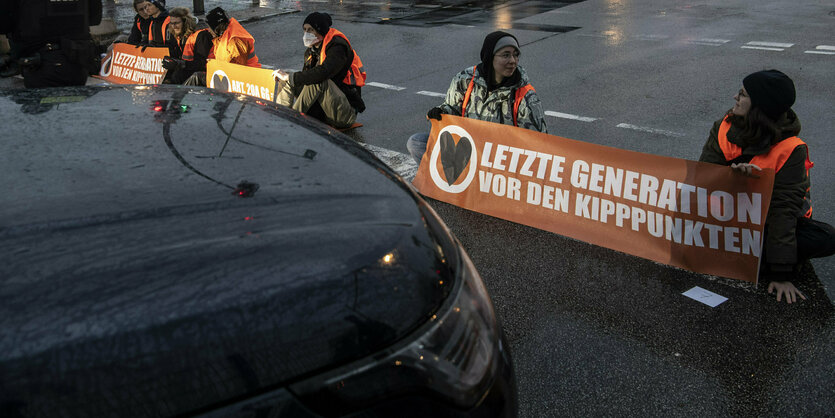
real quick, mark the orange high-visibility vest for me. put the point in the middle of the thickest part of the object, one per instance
(188, 49)
(164, 32)
(235, 30)
(517, 99)
(774, 159)
(356, 74)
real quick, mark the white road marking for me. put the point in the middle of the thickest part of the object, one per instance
(652, 37)
(650, 130)
(431, 93)
(569, 116)
(762, 48)
(770, 44)
(709, 42)
(385, 86)
(822, 50)
(401, 163)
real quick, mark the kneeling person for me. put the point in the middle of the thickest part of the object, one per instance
(329, 85)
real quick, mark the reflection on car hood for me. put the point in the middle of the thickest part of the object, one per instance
(131, 262)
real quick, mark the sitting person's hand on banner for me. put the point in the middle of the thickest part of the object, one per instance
(281, 75)
(172, 63)
(435, 113)
(746, 169)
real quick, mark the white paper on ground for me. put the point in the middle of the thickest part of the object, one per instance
(705, 296)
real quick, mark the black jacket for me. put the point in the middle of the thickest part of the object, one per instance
(158, 35)
(790, 185)
(139, 30)
(202, 48)
(337, 63)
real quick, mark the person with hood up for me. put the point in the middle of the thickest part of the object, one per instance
(760, 131)
(158, 29)
(329, 87)
(496, 90)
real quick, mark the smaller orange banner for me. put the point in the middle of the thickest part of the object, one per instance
(698, 216)
(131, 64)
(234, 78)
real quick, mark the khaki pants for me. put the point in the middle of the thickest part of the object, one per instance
(338, 111)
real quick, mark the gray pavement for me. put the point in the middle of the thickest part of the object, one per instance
(594, 331)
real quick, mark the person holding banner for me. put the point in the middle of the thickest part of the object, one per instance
(230, 43)
(158, 29)
(189, 48)
(760, 131)
(496, 90)
(141, 24)
(329, 87)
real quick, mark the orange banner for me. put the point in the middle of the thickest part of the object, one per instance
(234, 78)
(131, 64)
(698, 216)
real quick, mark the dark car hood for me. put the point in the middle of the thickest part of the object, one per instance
(131, 263)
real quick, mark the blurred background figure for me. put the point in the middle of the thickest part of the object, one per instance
(52, 39)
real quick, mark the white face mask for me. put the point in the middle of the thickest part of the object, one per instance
(309, 39)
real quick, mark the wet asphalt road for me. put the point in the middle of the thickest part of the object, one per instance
(593, 331)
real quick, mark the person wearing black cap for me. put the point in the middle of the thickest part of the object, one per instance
(158, 29)
(760, 131)
(329, 87)
(496, 90)
(230, 43)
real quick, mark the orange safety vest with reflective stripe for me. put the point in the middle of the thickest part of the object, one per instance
(774, 159)
(164, 31)
(235, 30)
(517, 99)
(356, 74)
(188, 49)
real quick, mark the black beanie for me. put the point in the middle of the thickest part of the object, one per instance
(215, 17)
(159, 3)
(321, 22)
(771, 91)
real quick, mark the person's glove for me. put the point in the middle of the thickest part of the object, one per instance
(435, 113)
(281, 75)
(172, 63)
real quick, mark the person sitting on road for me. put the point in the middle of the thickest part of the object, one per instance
(760, 131)
(230, 43)
(158, 29)
(141, 24)
(496, 90)
(189, 47)
(329, 86)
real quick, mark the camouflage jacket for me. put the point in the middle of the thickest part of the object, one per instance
(497, 105)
